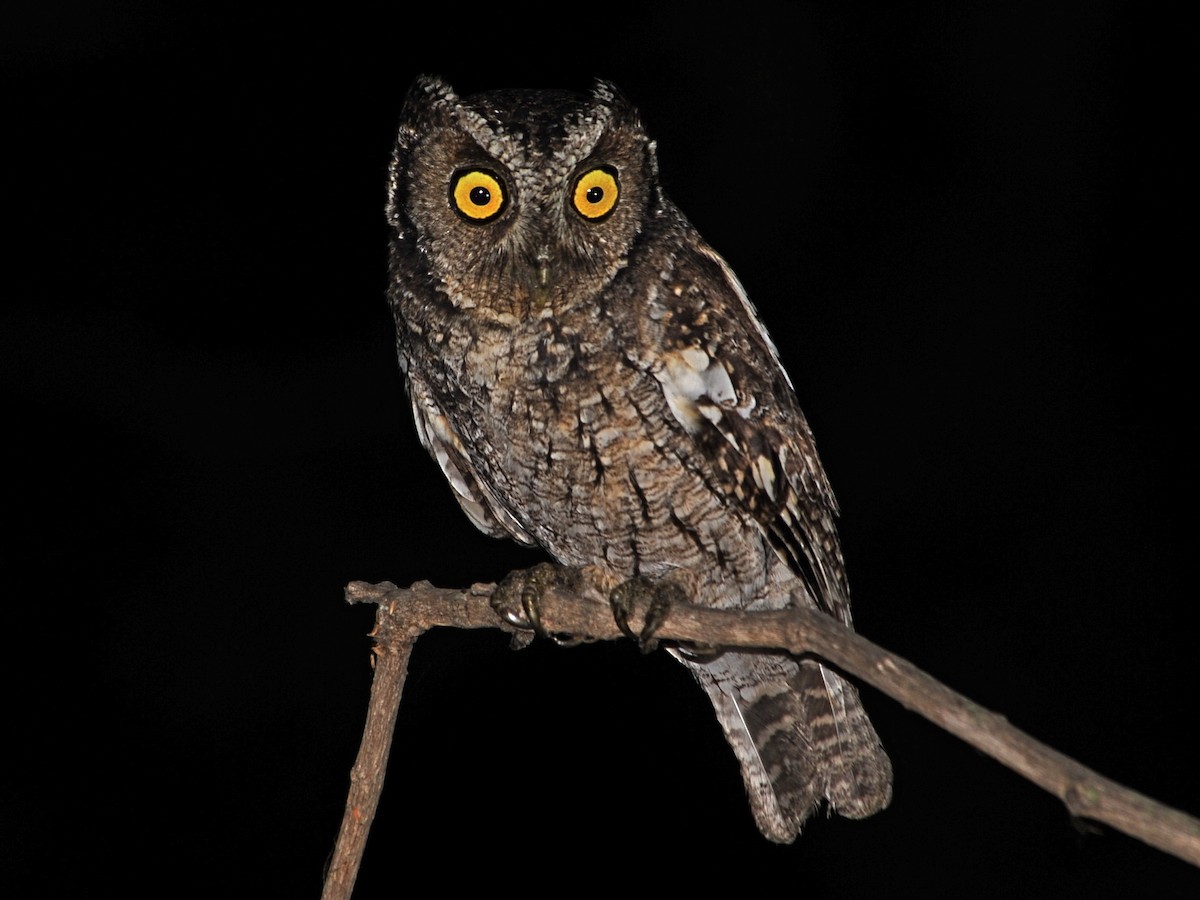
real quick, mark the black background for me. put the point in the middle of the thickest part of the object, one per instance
(956, 220)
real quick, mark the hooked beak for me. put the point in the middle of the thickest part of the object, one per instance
(541, 274)
(543, 268)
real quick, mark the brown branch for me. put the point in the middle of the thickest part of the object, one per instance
(393, 646)
(406, 613)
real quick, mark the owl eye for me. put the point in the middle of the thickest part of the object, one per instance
(596, 192)
(477, 194)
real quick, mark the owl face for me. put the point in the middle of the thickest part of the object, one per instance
(516, 201)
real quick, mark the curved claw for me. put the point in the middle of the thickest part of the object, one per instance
(531, 595)
(570, 640)
(623, 600)
(513, 619)
(659, 595)
(703, 653)
(517, 599)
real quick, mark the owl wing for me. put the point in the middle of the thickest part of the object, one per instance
(723, 382)
(476, 498)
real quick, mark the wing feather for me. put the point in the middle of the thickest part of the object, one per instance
(478, 501)
(747, 420)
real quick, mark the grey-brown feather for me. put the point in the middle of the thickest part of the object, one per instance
(605, 389)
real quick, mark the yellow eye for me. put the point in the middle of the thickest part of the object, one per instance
(477, 194)
(596, 193)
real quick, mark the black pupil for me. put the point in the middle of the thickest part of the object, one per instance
(481, 196)
(595, 194)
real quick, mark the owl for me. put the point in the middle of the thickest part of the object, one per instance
(591, 378)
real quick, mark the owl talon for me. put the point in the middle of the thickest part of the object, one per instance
(517, 600)
(658, 595)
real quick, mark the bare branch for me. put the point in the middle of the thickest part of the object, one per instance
(405, 613)
(392, 650)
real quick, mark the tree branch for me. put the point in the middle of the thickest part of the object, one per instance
(393, 646)
(405, 613)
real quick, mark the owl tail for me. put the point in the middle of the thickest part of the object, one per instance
(801, 735)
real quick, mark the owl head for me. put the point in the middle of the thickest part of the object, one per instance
(517, 200)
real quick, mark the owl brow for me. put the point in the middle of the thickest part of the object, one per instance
(584, 129)
(494, 139)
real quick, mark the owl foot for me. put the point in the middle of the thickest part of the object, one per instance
(517, 600)
(657, 598)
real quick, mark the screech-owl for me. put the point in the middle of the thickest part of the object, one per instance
(591, 378)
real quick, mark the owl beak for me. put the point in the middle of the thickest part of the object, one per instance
(543, 268)
(541, 274)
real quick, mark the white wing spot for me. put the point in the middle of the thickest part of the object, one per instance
(694, 385)
(765, 475)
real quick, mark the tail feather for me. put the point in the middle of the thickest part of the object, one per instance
(801, 736)
(859, 771)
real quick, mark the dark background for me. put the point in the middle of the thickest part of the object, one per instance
(957, 220)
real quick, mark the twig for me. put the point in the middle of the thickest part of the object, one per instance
(405, 613)
(393, 646)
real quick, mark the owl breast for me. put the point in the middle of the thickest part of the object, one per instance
(568, 435)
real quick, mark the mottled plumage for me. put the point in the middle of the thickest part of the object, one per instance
(591, 377)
